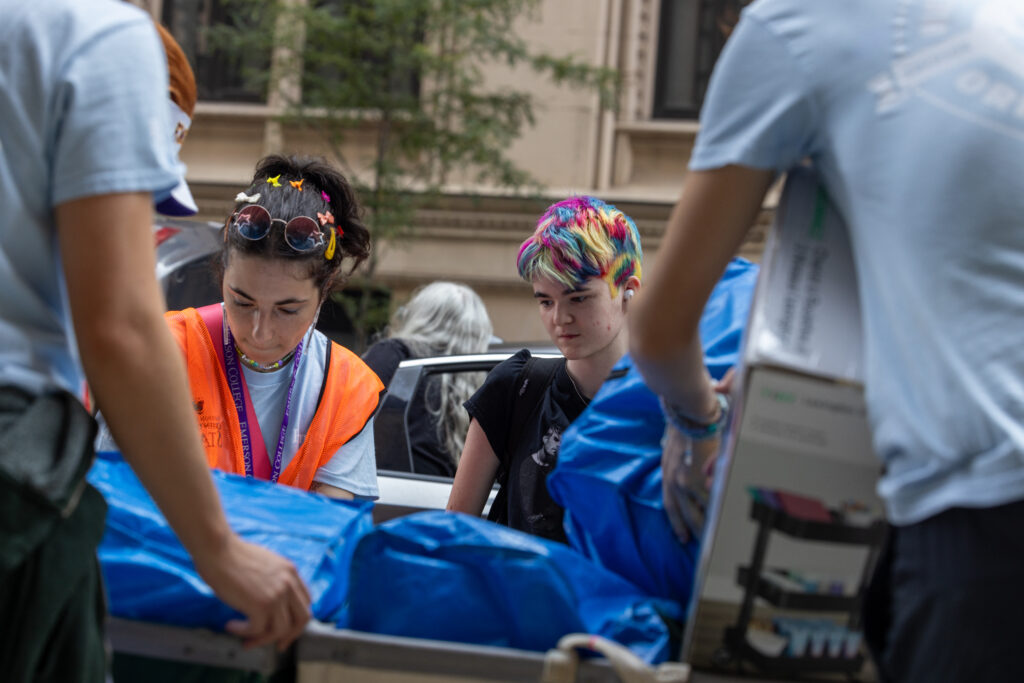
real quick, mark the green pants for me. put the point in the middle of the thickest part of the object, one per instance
(53, 604)
(51, 522)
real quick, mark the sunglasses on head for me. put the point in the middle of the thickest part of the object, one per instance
(301, 233)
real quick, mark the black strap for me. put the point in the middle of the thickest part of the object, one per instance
(531, 382)
(617, 374)
(534, 377)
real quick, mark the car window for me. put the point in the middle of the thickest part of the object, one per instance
(421, 424)
(191, 285)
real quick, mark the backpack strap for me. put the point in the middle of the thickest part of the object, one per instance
(534, 377)
(531, 382)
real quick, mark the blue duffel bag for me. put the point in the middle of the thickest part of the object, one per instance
(449, 576)
(608, 476)
(150, 577)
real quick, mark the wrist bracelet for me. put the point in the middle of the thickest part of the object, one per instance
(698, 431)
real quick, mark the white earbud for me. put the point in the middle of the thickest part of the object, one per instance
(629, 294)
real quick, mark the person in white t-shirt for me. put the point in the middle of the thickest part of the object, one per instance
(912, 113)
(86, 147)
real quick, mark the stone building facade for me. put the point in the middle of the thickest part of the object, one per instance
(634, 157)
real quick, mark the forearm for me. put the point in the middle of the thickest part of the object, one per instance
(681, 378)
(137, 375)
(469, 493)
(132, 362)
(664, 339)
(475, 474)
(704, 231)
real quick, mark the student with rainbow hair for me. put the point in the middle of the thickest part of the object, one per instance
(584, 262)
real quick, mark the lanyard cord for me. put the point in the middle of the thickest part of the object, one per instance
(234, 374)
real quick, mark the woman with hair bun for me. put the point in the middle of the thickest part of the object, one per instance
(274, 398)
(441, 319)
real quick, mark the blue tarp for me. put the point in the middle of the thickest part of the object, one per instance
(448, 576)
(434, 575)
(454, 577)
(150, 577)
(608, 476)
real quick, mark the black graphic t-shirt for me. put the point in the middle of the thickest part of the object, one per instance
(528, 453)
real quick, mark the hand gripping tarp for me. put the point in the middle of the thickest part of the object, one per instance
(608, 476)
(150, 577)
(454, 577)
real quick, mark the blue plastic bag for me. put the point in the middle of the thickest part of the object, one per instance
(454, 577)
(725, 316)
(608, 476)
(150, 577)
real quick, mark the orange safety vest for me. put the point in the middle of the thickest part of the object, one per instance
(349, 398)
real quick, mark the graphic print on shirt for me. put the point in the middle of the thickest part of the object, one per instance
(212, 427)
(968, 61)
(548, 453)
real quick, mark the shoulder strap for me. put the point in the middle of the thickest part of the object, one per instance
(213, 317)
(532, 380)
(530, 384)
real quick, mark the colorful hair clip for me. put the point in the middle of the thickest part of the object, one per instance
(329, 254)
(274, 181)
(326, 197)
(297, 184)
(325, 218)
(247, 198)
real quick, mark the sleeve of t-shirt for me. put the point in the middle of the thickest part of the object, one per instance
(759, 110)
(491, 405)
(384, 357)
(353, 467)
(111, 101)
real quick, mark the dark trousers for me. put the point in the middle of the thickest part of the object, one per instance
(946, 602)
(51, 522)
(53, 605)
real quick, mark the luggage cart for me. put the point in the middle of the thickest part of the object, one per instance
(200, 654)
(329, 655)
(324, 654)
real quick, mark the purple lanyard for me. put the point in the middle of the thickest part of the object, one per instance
(234, 374)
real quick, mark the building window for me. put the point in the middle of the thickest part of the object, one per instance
(690, 37)
(222, 75)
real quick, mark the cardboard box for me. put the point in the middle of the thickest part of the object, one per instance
(799, 421)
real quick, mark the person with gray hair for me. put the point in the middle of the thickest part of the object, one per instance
(441, 319)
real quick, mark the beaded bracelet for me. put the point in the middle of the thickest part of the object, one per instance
(698, 431)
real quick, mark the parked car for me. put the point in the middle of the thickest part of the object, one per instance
(402, 490)
(183, 252)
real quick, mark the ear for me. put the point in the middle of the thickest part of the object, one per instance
(630, 289)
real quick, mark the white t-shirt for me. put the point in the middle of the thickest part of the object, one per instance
(83, 112)
(913, 114)
(354, 466)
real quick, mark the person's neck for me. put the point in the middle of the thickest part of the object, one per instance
(264, 368)
(590, 373)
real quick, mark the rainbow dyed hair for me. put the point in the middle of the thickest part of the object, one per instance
(580, 238)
